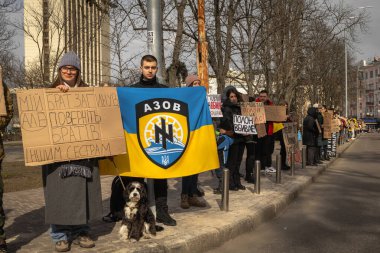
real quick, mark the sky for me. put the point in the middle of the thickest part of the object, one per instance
(369, 44)
(366, 48)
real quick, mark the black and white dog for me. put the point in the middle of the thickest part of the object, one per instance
(138, 220)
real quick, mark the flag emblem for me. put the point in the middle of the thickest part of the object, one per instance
(163, 130)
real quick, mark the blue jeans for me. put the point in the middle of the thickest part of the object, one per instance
(67, 232)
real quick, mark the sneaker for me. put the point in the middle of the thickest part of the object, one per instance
(62, 246)
(84, 241)
(270, 170)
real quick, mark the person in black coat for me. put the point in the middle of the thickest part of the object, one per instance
(310, 135)
(148, 79)
(235, 155)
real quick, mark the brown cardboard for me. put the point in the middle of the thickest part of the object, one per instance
(81, 123)
(254, 109)
(335, 125)
(3, 109)
(261, 131)
(276, 113)
(327, 124)
(290, 134)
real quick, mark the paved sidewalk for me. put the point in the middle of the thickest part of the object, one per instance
(198, 229)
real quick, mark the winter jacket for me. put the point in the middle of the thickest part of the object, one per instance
(72, 200)
(152, 83)
(4, 120)
(227, 122)
(310, 130)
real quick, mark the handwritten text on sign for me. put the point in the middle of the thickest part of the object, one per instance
(82, 123)
(254, 109)
(244, 125)
(215, 105)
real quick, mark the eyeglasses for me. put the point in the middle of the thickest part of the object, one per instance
(67, 70)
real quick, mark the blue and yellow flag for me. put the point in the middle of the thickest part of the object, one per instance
(169, 133)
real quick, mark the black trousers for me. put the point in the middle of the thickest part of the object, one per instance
(311, 151)
(250, 159)
(235, 156)
(189, 185)
(265, 148)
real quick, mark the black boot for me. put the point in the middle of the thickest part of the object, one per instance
(219, 189)
(162, 212)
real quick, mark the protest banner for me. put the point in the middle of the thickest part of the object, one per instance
(3, 110)
(276, 113)
(335, 125)
(215, 105)
(327, 124)
(244, 125)
(81, 123)
(290, 135)
(255, 110)
(331, 145)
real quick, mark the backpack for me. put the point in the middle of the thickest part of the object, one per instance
(117, 201)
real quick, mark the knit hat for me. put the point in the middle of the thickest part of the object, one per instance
(70, 59)
(190, 79)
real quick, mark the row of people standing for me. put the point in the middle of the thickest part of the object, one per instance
(256, 148)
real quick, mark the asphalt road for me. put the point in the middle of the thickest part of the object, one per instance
(339, 213)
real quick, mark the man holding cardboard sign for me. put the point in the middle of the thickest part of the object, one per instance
(266, 144)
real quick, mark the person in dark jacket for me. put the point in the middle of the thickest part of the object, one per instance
(318, 158)
(235, 155)
(148, 79)
(190, 183)
(265, 145)
(310, 135)
(4, 121)
(72, 189)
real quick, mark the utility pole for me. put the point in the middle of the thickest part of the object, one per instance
(202, 54)
(155, 38)
(155, 41)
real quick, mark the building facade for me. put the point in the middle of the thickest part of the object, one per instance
(368, 90)
(53, 27)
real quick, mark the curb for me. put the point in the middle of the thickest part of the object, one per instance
(244, 221)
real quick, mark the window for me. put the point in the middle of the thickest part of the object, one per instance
(371, 74)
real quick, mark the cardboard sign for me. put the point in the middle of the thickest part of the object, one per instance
(254, 109)
(327, 124)
(215, 105)
(335, 125)
(290, 135)
(3, 109)
(275, 113)
(244, 125)
(331, 145)
(261, 131)
(81, 123)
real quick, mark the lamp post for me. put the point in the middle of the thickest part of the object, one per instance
(346, 63)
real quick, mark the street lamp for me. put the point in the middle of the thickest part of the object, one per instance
(345, 61)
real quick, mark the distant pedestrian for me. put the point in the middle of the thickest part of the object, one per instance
(310, 135)
(72, 189)
(4, 121)
(189, 196)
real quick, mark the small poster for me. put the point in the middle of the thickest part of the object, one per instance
(254, 109)
(244, 125)
(215, 105)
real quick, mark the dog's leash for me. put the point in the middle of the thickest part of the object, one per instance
(118, 174)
